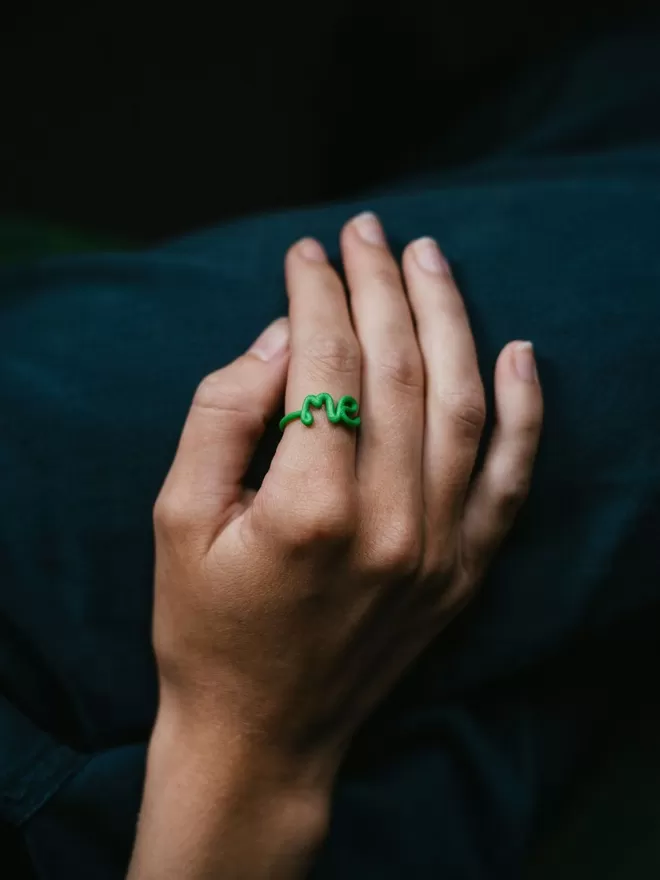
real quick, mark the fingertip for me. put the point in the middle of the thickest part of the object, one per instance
(365, 228)
(273, 342)
(517, 363)
(410, 269)
(428, 257)
(518, 390)
(308, 249)
(524, 362)
(346, 233)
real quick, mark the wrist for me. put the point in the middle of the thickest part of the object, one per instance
(203, 726)
(222, 806)
(236, 763)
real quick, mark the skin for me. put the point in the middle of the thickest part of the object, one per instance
(282, 618)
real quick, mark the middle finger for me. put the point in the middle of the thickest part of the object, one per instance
(389, 463)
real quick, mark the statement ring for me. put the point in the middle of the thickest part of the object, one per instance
(344, 411)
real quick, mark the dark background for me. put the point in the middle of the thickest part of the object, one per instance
(140, 122)
(143, 122)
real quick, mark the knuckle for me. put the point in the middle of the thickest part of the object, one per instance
(214, 393)
(211, 389)
(450, 601)
(467, 409)
(511, 493)
(397, 553)
(441, 563)
(320, 528)
(170, 516)
(178, 524)
(402, 368)
(217, 394)
(529, 428)
(333, 353)
(329, 518)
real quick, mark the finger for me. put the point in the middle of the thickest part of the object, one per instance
(390, 452)
(503, 483)
(227, 417)
(455, 408)
(325, 358)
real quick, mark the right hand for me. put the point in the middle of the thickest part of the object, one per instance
(282, 617)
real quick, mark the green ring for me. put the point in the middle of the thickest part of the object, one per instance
(344, 411)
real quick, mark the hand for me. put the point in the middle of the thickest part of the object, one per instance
(282, 617)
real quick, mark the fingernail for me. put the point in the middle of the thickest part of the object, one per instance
(272, 341)
(311, 249)
(369, 228)
(525, 362)
(429, 257)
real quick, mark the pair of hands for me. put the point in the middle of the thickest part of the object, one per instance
(282, 617)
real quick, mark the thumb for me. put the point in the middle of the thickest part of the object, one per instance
(226, 420)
